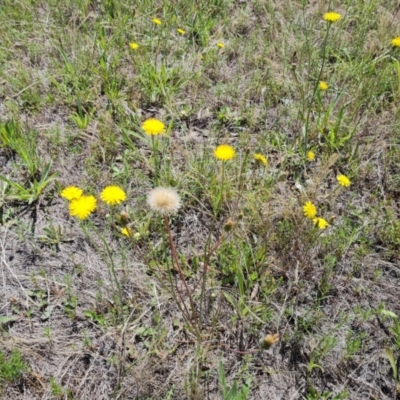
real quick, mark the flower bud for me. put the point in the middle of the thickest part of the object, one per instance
(269, 340)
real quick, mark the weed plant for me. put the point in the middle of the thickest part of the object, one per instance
(199, 199)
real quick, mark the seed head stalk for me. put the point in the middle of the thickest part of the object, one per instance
(182, 276)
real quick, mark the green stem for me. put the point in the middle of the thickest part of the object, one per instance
(155, 158)
(315, 89)
(110, 265)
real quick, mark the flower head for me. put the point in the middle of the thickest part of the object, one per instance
(309, 209)
(269, 340)
(332, 16)
(323, 86)
(133, 46)
(153, 126)
(260, 159)
(220, 45)
(320, 223)
(71, 193)
(113, 195)
(343, 180)
(396, 41)
(82, 207)
(164, 200)
(126, 231)
(224, 152)
(181, 31)
(157, 21)
(310, 156)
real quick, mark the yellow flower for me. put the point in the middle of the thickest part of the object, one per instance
(320, 223)
(82, 207)
(260, 159)
(126, 231)
(323, 85)
(181, 31)
(72, 193)
(343, 180)
(153, 126)
(113, 195)
(309, 209)
(133, 46)
(164, 200)
(224, 152)
(220, 45)
(157, 21)
(332, 16)
(310, 156)
(396, 41)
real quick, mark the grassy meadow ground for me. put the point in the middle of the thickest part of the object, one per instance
(250, 299)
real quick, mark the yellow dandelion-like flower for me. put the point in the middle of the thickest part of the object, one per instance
(113, 195)
(323, 85)
(396, 41)
(133, 46)
(260, 159)
(220, 45)
(72, 193)
(320, 223)
(343, 180)
(181, 31)
(332, 16)
(164, 200)
(126, 231)
(82, 207)
(153, 126)
(157, 21)
(309, 209)
(224, 152)
(310, 156)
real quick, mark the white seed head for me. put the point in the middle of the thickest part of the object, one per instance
(164, 200)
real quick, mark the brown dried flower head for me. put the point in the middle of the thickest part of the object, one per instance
(269, 340)
(164, 200)
(229, 225)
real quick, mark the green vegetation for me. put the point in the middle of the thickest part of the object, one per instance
(199, 199)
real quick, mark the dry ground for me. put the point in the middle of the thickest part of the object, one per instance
(332, 295)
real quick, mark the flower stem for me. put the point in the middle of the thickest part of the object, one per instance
(182, 276)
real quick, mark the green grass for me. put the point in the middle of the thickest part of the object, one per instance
(179, 307)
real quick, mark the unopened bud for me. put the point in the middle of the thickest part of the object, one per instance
(229, 225)
(269, 340)
(124, 217)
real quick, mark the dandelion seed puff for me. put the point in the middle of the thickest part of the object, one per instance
(164, 200)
